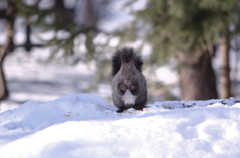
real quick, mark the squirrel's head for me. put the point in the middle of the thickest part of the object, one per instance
(128, 76)
(126, 55)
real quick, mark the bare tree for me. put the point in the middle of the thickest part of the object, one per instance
(8, 46)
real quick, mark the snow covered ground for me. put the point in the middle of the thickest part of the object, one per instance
(59, 124)
(85, 125)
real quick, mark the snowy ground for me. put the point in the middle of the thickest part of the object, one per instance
(85, 125)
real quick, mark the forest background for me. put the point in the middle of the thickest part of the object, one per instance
(197, 40)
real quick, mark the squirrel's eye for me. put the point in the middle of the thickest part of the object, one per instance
(122, 87)
(132, 87)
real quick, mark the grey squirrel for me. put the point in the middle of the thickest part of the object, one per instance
(129, 88)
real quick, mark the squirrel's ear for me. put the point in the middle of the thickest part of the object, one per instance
(138, 63)
(116, 63)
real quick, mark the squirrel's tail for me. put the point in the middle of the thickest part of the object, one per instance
(124, 55)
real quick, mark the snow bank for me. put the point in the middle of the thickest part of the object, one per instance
(86, 125)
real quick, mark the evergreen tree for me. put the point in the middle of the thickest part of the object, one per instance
(190, 30)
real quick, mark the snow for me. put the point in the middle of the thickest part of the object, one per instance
(85, 125)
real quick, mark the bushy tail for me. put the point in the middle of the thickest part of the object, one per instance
(124, 55)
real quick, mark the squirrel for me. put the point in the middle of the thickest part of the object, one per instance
(129, 87)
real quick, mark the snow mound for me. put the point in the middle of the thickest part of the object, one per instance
(85, 125)
(34, 116)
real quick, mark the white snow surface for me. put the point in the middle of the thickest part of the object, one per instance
(85, 125)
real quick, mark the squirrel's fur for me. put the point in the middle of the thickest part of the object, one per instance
(129, 88)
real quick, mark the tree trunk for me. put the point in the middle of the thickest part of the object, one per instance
(225, 82)
(197, 79)
(90, 24)
(3, 87)
(28, 44)
(7, 47)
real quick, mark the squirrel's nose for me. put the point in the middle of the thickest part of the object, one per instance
(128, 83)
